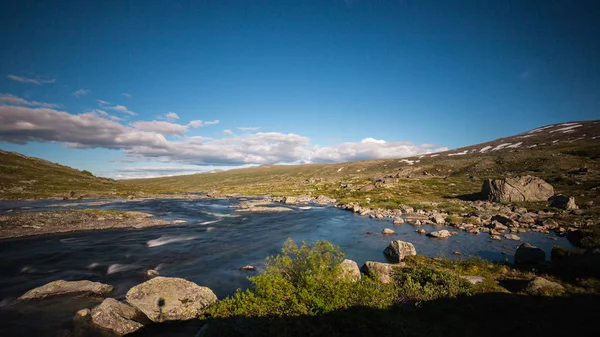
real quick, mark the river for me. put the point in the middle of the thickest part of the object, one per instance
(214, 244)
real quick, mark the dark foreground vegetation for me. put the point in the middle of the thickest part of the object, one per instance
(301, 293)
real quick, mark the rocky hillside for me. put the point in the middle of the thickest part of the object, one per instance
(567, 155)
(28, 177)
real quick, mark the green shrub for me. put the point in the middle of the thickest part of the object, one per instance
(304, 280)
(87, 172)
(454, 219)
(420, 284)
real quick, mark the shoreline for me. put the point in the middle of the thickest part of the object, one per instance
(33, 224)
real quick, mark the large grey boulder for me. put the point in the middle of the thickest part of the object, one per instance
(384, 272)
(397, 250)
(512, 189)
(118, 317)
(529, 254)
(71, 288)
(443, 234)
(350, 270)
(563, 201)
(170, 298)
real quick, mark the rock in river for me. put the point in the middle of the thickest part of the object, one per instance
(397, 250)
(386, 231)
(443, 234)
(118, 317)
(529, 254)
(61, 287)
(170, 298)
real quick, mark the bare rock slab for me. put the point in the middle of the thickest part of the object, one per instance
(64, 288)
(513, 189)
(169, 298)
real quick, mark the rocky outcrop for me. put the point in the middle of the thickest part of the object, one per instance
(529, 254)
(290, 200)
(443, 234)
(350, 270)
(525, 188)
(540, 285)
(384, 272)
(170, 298)
(563, 201)
(397, 250)
(71, 288)
(118, 317)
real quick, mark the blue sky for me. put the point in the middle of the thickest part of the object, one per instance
(90, 84)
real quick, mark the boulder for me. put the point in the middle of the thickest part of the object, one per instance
(563, 201)
(387, 231)
(367, 188)
(398, 221)
(248, 268)
(384, 272)
(420, 231)
(540, 285)
(170, 298)
(151, 273)
(443, 234)
(290, 200)
(529, 254)
(118, 317)
(512, 237)
(513, 189)
(71, 288)
(350, 270)
(438, 219)
(397, 250)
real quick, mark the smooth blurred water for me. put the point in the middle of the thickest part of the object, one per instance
(214, 244)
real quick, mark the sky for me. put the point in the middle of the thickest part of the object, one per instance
(147, 88)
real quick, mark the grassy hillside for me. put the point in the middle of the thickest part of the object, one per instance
(568, 158)
(28, 177)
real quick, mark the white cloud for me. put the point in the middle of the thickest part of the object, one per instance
(121, 108)
(211, 123)
(24, 124)
(101, 102)
(105, 114)
(228, 132)
(127, 95)
(81, 92)
(37, 81)
(370, 148)
(145, 140)
(247, 129)
(171, 116)
(163, 128)
(195, 124)
(14, 100)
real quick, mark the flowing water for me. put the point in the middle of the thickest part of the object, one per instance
(213, 245)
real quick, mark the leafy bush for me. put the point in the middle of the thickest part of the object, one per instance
(420, 284)
(87, 173)
(304, 280)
